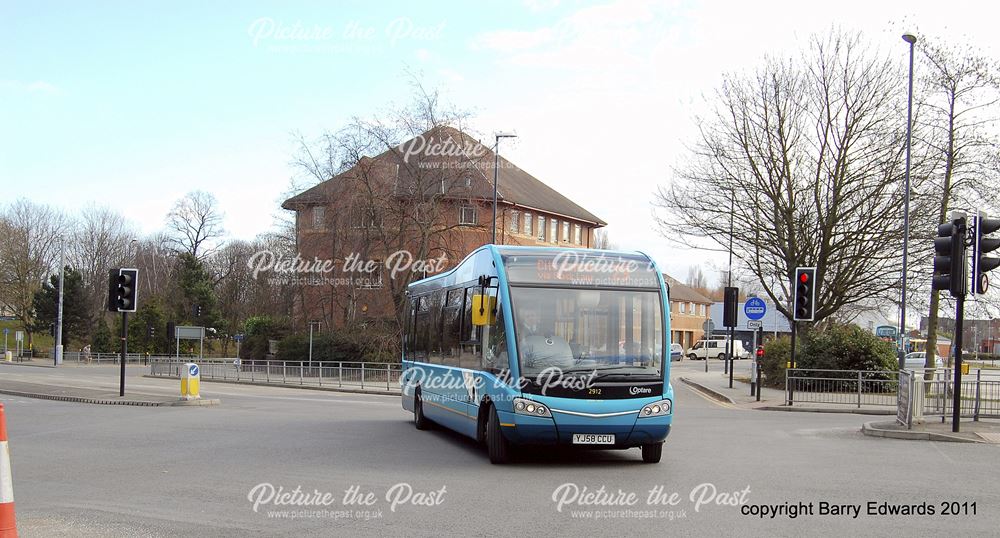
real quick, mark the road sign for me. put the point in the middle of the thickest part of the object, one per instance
(708, 326)
(6, 331)
(754, 324)
(19, 336)
(192, 370)
(885, 331)
(184, 332)
(755, 308)
(238, 337)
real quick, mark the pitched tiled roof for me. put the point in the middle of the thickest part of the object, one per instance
(516, 186)
(682, 292)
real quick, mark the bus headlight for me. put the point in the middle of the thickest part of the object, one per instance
(523, 406)
(656, 409)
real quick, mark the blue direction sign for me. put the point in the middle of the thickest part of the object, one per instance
(6, 331)
(193, 370)
(755, 308)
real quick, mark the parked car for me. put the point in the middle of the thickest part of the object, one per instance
(716, 348)
(676, 352)
(917, 359)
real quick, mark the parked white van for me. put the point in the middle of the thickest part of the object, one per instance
(716, 348)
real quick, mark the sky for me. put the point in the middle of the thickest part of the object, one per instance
(131, 105)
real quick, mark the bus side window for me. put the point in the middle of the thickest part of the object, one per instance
(421, 327)
(470, 335)
(434, 348)
(409, 323)
(495, 348)
(451, 326)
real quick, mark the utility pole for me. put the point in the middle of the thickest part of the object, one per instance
(57, 360)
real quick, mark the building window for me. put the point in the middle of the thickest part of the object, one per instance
(513, 222)
(702, 310)
(553, 230)
(468, 181)
(683, 307)
(565, 232)
(319, 217)
(541, 228)
(364, 218)
(578, 235)
(527, 224)
(467, 215)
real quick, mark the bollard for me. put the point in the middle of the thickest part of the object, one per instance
(8, 523)
(190, 381)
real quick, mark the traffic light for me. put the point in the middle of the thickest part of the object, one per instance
(805, 294)
(150, 332)
(197, 311)
(949, 259)
(982, 264)
(760, 353)
(731, 296)
(122, 292)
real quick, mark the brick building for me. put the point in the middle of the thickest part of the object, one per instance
(689, 310)
(427, 200)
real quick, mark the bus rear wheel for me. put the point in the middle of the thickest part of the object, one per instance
(419, 419)
(497, 445)
(652, 453)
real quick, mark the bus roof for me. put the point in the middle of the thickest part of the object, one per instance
(553, 266)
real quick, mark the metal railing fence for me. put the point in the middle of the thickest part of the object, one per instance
(933, 390)
(341, 374)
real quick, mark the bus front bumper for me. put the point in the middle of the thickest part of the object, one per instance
(629, 430)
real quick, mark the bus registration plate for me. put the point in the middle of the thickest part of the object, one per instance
(593, 439)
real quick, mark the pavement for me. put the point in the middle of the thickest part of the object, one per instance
(715, 384)
(55, 387)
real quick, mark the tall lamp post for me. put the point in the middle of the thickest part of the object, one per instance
(496, 176)
(57, 359)
(911, 39)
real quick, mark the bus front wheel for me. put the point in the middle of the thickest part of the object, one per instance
(497, 445)
(652, 453)
(419, 419)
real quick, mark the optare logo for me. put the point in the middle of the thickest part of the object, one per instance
(639, 390)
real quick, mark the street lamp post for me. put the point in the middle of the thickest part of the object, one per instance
(58, 358)
(496, 175)
(311, 323)
(911, 39)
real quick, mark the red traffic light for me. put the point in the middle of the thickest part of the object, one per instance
(804, 277)
(760, 352)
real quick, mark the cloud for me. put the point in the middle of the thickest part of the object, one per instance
(38, 86)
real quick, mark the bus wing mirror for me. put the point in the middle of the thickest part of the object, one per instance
(483, 309)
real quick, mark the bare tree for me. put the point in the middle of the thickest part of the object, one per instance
(30, 237)
(195, 223)
(602, 240)
(808, 153)
(696, 279)
(960, 94)
(387, 195)
(102, 240)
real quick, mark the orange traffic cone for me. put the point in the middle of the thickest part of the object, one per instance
(8, 525)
